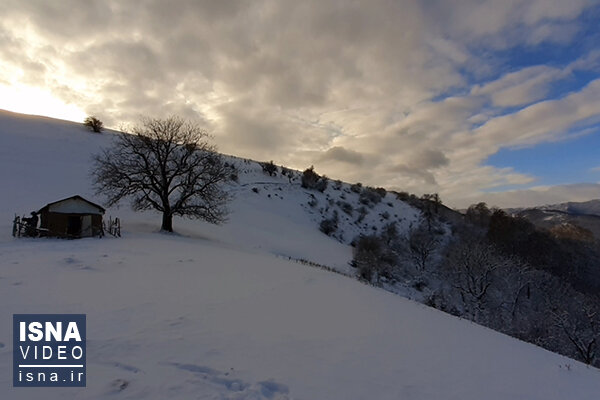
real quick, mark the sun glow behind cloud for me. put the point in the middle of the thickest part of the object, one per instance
(37, 101)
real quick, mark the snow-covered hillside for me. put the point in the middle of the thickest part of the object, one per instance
(46, 160)
(220, 312)
(591, 207)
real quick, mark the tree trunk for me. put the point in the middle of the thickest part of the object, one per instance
(167, 223)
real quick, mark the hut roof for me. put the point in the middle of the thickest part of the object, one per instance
(56, 206)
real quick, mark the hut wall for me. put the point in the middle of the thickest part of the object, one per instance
(74, 206)
(96, 224)
(57, 225)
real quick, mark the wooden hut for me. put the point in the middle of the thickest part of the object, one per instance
(73, 217)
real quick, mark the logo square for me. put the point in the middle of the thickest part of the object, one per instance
(49, 350)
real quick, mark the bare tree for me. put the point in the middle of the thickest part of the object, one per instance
(575, 320)
(472, 268)
(434, 199)
(373, 259)
(367, 254)
(517, 282)
(93, 123)
(422, 246)
(269, 168)
(583, 330)
(312, 180)
(165, 165)
(479, 214)
(430, 206)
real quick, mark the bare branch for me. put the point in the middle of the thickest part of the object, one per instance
(166, 165)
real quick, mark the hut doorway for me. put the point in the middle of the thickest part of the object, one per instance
(74, 225)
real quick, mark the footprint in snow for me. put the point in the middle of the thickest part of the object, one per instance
(126, 367)
(176, 322)
(268, 389)
(118, 385)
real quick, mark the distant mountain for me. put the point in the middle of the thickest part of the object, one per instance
(591, 207)
(559, 217)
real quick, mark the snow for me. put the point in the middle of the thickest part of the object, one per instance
(219, 312)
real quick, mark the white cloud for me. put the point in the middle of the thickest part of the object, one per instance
(545, 120)
(589, 62)
(536, 196)
(501, 24)
(521, 87)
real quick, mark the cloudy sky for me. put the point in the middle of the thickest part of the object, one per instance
(494, 100)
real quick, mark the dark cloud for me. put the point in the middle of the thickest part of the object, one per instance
(247, 130)
(68, 20)
(341, 154)
(428, 159)
(131, 62)
(423, 176)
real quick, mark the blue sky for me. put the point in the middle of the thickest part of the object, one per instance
(555, 163)
(476, 100)
(566, 160)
